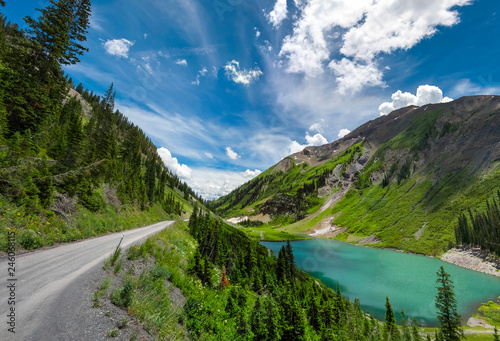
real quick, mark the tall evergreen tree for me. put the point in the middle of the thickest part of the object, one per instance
(390, 331)
(60, 30)
(447, 305)
(414, 330)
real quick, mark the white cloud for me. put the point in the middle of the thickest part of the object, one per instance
(118, 47)
(200, 74)
(246, 77)
(257, 32)
(426, 94)
(181, 62)
(343, 132)
(251, 174)
(145, 35)
(173, 164)
(365, 29)
(232, 154)
(278, 14)
(317, 127)
(353, 76)
(214, 183)
(316, 140)
(209, 155)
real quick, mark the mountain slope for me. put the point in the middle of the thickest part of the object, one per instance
(71, 166)
(400, 180)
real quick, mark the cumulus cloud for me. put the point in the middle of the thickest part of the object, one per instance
(343, 132)
(251, 174)
(426, 94)
(316, 140)
(241, 76)
(173, 164)
(232, 154)
(358, 32)
(181, 62)
(353, 76)
(278, 14)
(214, 183)
(257, 32)
(118, 47)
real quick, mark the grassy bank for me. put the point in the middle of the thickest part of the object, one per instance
(45, 228)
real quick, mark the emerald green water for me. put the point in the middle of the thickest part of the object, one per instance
(372, 274)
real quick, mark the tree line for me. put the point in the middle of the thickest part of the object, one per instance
(50, 146)
(481, 229)
(272, 299)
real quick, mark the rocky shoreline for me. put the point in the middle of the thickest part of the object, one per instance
(473, 259)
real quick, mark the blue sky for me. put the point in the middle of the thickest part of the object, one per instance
(227, 88)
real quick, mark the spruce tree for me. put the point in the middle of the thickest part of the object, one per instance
(390, 331)
(60, 30)
(447, 305)
(414, 330)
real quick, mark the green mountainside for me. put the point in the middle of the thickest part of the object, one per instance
(399, 181)
(71, 166)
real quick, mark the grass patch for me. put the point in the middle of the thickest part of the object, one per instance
(490, 312)
(35, 230)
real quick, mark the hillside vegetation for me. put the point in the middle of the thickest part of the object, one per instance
(400, 181)
(71, 166)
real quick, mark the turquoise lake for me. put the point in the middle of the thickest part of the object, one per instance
(372, 274)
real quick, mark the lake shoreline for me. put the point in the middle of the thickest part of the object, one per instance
(473, 259)
(465, 257)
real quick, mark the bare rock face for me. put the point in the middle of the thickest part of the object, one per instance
(473, 259)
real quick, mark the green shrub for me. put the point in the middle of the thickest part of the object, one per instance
(29, 239)
(160, 272)
(123, 296)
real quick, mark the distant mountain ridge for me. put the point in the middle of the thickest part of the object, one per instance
(399, 181)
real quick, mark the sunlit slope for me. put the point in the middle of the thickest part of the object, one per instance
(400, 180)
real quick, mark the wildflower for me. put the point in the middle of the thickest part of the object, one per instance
(48, 223)
(18, 214)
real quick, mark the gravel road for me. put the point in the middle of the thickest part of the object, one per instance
(53, 287)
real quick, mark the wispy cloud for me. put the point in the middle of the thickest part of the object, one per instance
(241, 76)
(181, 62)
(214, 183)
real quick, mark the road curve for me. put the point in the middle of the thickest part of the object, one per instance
(43, 276)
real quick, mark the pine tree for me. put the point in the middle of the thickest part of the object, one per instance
(496, 337)
(60, 30)
(406, 330)
(390, 331)
(447, 305)
(414, 330)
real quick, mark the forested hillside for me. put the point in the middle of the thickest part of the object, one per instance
(234, 289)
(399, 181)
(66, 153)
